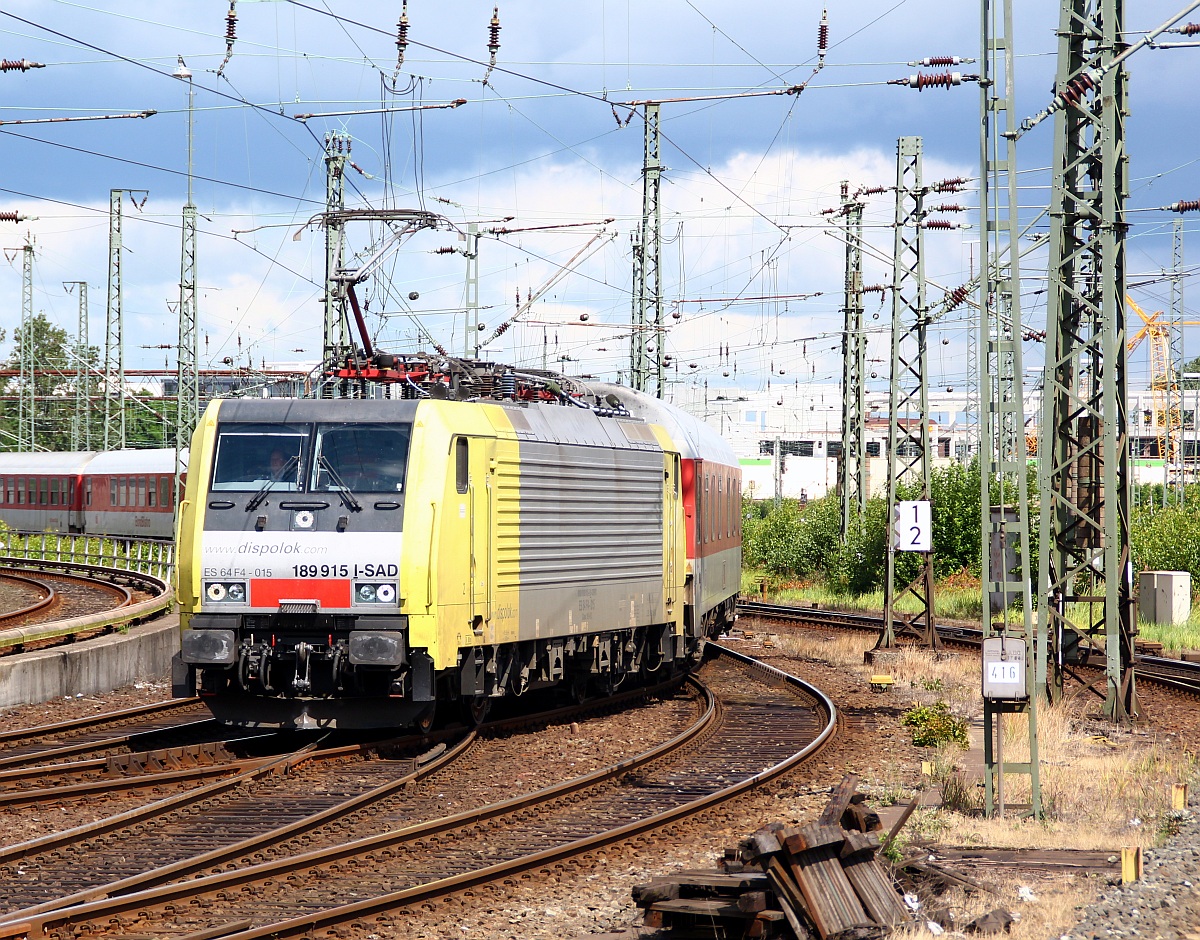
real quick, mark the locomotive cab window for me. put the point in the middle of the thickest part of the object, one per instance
(252, 456)
(361, 458)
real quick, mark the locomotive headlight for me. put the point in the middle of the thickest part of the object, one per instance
(375, 592)
(209, 647)
(225, 592)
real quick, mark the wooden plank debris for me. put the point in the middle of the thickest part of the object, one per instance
(819, 881)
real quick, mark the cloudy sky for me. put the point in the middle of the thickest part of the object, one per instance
(545, 142)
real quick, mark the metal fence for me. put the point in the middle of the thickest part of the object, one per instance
(154, 557)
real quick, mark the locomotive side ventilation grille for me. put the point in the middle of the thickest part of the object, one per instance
(587, 514)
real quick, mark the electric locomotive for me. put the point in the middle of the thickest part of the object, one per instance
(354, 562)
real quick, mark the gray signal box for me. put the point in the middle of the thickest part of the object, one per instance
(1004, 668)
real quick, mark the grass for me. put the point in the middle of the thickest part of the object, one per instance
(1103, 788)
(1053, 914)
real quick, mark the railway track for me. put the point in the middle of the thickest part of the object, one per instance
(1176, 674)
(310, 785)
(74, 599)
(64, 596)
(23, 597)
(399, 845)
(100, 734)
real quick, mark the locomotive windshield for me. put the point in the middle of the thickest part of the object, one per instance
(251, 456)
(363, 458)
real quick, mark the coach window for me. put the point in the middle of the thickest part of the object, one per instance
(54, 491)
(716, 513)
(152, 492)
(44, 492)
(164, 492)
(729, 512)
(735, 507)
(141, 492)
(87, 491)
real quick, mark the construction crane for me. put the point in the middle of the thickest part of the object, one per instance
(1164, 383)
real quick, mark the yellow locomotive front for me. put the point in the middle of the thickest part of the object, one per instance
(291, 542)
(350, 563)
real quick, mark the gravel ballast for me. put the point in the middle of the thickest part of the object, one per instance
(1164, 904)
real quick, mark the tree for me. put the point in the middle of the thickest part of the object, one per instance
(53, 356)
(1190, 368)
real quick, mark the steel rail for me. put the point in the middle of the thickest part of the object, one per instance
(425, 765)
(300, 925)
(115, 904)
(91, 721)
(51, 762)
(57, 840)
(161, 599)
(141, 900)
(421, 768)
(1171, 673)
(217, 766)
(40, 604)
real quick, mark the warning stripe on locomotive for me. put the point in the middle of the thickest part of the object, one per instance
(271, 592)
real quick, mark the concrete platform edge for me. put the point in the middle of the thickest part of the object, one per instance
(97, 665)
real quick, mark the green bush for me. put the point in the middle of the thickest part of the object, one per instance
(792, 539)
(934, 725)
(1166, 539)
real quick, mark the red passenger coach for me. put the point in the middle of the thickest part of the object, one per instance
(712, 499)
(129, 492)
(42, 492)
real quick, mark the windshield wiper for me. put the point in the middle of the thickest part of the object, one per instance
(343, 491)
(276, 477)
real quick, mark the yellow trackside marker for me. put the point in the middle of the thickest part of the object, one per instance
(1179, 796)
(1131, 864)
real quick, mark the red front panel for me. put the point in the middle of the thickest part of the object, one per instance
(268, 592)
